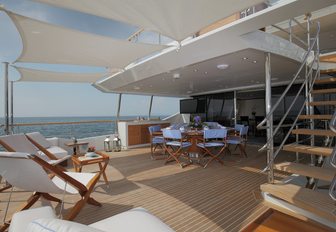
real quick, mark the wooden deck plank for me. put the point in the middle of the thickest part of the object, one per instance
(218, 198)
(322, 103)
(324, 91)
(316, 116)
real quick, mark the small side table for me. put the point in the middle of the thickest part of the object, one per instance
(76, 146)
(102, 160)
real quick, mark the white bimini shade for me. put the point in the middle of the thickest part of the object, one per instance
(47, 43)
(176, 19)
(34, 75)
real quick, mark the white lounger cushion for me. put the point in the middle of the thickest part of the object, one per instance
(58, 152)
(57, 225)
(81, 177)
(39, 138)
(134, 220)
(44, 220)
(22, 219)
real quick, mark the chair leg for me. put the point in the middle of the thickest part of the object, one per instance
(48, 197)
(214, 157)
(7, 186)
(152, 157)
(242, 150)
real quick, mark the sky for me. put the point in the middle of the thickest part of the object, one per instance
(67, 99)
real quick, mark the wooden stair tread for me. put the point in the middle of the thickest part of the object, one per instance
(326, 81)
(322, 91)
(313, 150)
(320, 173)
(315, 202)
(314, 132)
(316, 116)
(322, 103)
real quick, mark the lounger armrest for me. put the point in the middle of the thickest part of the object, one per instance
(21, 219)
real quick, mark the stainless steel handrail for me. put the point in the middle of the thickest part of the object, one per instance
(332, 127)
(290, 107)
(291, 34)
(292, 82)
(332, 191)
(291, 128)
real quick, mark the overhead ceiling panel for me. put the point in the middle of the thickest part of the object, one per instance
(34, 75)
(176, 19)
(47, 43)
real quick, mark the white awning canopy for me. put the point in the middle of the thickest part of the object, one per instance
(47, 43)
(34, 75)
(176, 19)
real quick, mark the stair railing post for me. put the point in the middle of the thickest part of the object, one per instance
(150, 107)
(308, 95)
(268, 104)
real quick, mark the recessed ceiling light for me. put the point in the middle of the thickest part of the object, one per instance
(205, 72)
(151, 86)
(176, 76)
(223, 66)
(195, 70)
(275, 79)
(189, 91)
(136, 87)
(245, 58)
(255, 62)
(36, 32)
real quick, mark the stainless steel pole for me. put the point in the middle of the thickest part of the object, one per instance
(118, 111)
(235, 107)
(12, 108)
(268, 104)
(6, 110)
(150, 107)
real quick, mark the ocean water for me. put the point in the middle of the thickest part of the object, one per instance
(67, 131)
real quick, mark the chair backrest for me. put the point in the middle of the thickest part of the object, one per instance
(215, 134)
(238, 127)
(244, 131)
(172, 134)
(17, 143)
(212, 125)
(154, 129)
(39, 138)
(22, 172)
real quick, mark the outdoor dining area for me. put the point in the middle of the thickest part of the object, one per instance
(197, 142)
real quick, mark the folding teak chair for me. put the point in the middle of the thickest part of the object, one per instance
(156, 141)
(175, 146)
(240, 140)
(213, 139)
(31, 173)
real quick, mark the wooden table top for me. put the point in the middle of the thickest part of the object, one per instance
(72, 144)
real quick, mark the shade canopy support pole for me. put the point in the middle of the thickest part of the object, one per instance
(268, 104)
(235, 107)
(150, 107)
(12, 108)
(6, 109)
(118, 111)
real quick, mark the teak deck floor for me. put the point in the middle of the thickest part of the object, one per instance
(218, 198)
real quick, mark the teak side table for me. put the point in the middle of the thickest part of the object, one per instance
(102, 161)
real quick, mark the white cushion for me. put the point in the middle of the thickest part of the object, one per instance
(58, 152)
(134, 220)
(53, 225)
(39, 138)
(21, 219)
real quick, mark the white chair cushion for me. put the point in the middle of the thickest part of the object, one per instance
(134, 220)
(21, 219)
(58, 152)
(39, 138)
(82, 177)
(53, 225)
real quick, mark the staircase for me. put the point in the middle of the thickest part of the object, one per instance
(314, 143)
